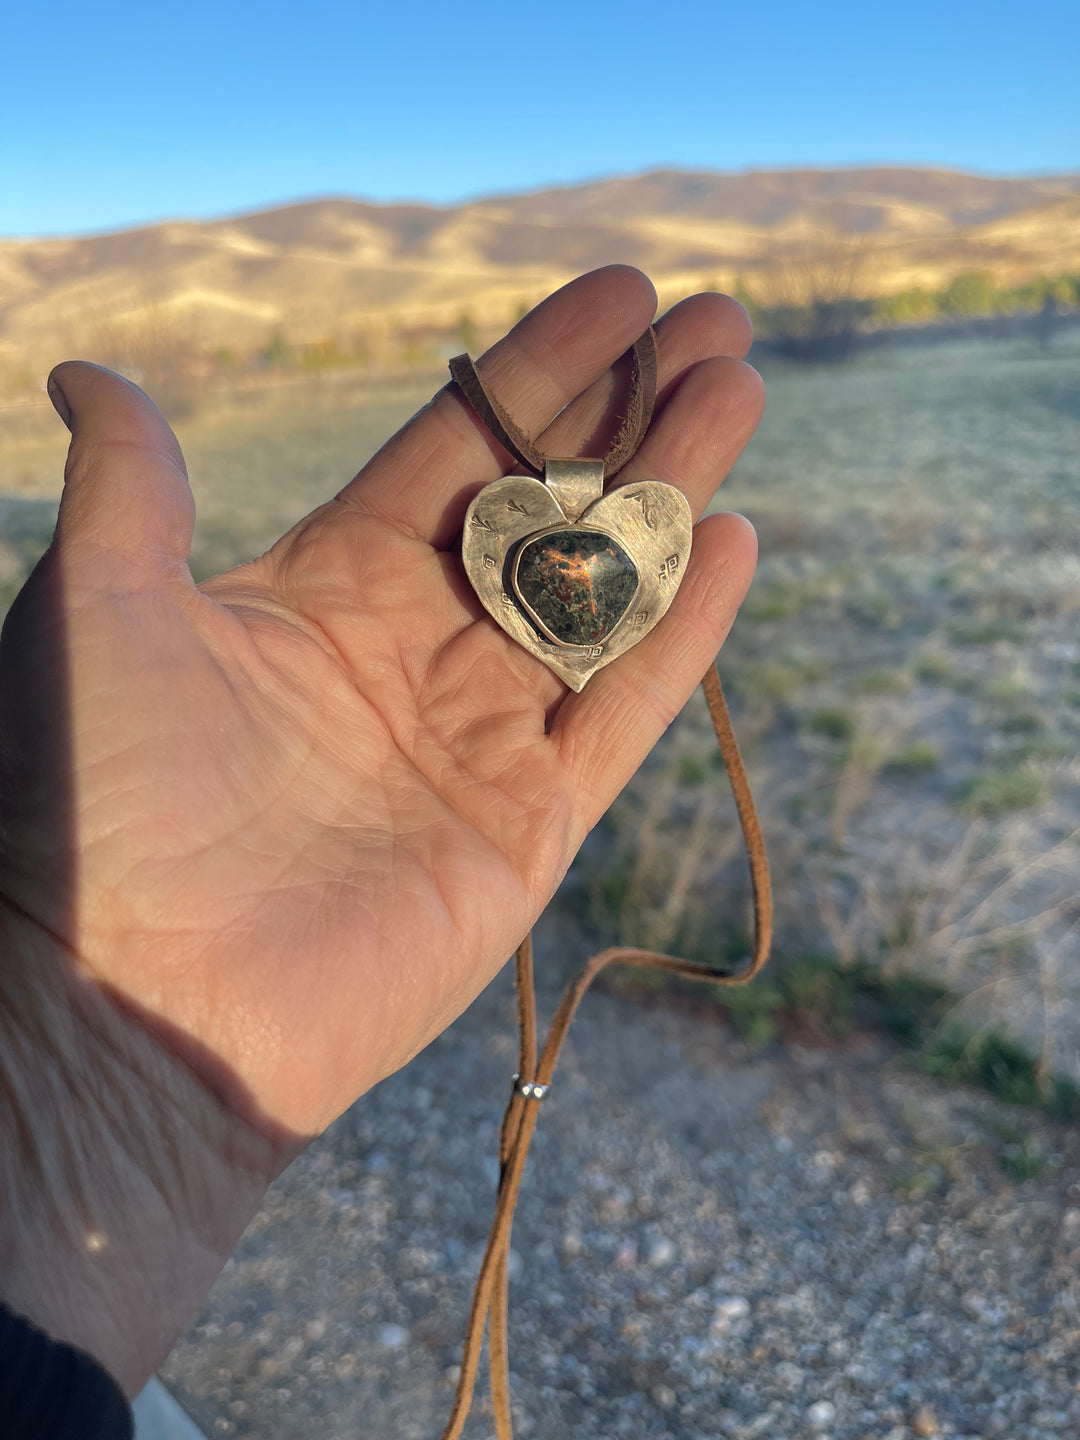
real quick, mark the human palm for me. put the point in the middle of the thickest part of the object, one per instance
(311, 806)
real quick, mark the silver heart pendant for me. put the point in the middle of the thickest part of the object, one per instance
(574, 575)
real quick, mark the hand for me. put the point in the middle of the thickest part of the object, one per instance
(262, 839)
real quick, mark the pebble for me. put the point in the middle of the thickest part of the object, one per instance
(821, 1413)
(626, 1257)
(661, 1252)
(728, 1312)
(733, 1307)
(738, 1298)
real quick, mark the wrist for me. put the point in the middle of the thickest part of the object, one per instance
(124, 1182)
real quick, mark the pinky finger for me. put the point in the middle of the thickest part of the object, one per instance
(605, 732)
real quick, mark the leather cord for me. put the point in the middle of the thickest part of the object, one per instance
(631, 431)
(489, 1307)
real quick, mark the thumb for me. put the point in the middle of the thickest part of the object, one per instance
(125, 484)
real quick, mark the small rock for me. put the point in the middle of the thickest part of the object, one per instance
(789, 1377)
(728, 1310)
(925, 1422)
(821, 1413)
(392, 1337)
(626, 1256)
(661, 1251)
(664, 1396)
(572, 1245)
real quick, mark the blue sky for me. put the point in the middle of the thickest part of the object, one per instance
(114, 113)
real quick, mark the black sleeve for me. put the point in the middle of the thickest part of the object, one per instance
(51, 1391)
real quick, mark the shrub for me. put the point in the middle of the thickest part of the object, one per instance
(773, 600)
(1021, 722)
(912, 1006)
(989, 1059)
(776, 682)
(692, 770)
(883, 681)
(835, 722)
(916, 758)
(973, 292)
(907, 307)
(987, 632)
(820, 992)
(934, 666)
(1043, 747)
(999, 791)
(752, 1009)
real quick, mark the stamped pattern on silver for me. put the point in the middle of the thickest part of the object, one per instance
(650, 522)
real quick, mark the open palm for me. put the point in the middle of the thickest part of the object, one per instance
(319, 800)
(310, 807)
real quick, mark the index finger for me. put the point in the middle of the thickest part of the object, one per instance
(423, 478)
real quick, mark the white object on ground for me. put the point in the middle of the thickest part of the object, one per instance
(159, 1417)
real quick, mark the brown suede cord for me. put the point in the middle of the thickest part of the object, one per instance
(631, 431)
(489, 1303)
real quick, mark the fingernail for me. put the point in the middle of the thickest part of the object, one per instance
(59, 400)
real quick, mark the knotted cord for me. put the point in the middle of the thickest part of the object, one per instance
(531, 1083)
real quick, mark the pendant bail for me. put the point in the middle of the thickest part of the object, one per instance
(575, 484)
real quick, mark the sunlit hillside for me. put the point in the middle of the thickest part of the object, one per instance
(359, 279)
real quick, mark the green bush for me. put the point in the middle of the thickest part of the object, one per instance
(835, 722)
(1021, 722)
(883, 680)
(1022, 1160)
(989, 1059)
(820, 992)
(987, 632)
(753, 1008)
(915, 758)
(1062, 1101)
(1007, 689)
(1042, 747)
(777, 682)
(971, 293)
(911, 1006)
(999, 791)
(907, 307)
(692, 770)
(773, 600)
(934, 666)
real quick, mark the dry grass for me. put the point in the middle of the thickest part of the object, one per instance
(905, 673)
(906, 669)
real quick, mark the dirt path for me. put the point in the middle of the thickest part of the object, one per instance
(712, 1243)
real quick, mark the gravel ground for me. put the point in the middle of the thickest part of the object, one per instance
(712, 1242)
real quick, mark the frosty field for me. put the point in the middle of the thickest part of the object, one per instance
(905, 672)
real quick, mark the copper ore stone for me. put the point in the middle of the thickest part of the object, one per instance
(577, 583)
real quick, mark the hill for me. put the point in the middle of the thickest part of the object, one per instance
(348, 273)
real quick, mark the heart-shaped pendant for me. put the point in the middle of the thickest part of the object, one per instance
(574, 575)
